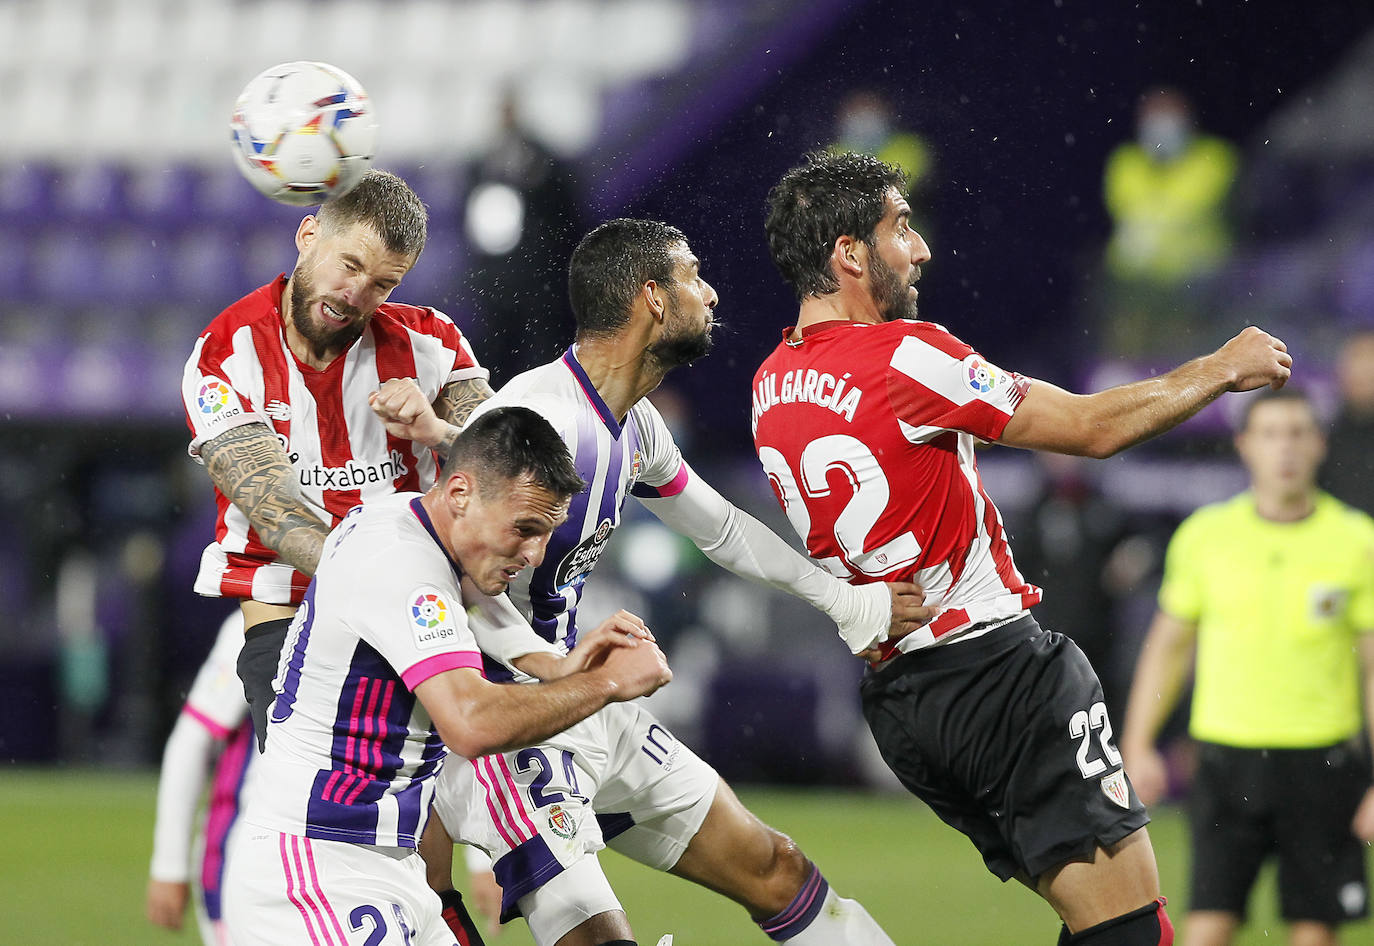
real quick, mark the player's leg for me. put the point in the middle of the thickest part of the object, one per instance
(257, 661)
(1006, 737)
(1209, 928)
(666, 808)
(763, 870)
(1230, 814)
(530, 811)
(1102, 892)
(283, 890)
(1321, 876)
(436, 850)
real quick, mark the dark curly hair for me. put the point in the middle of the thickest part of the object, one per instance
(816, 203)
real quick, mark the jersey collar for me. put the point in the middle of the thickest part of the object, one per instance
(602, 410)
(418, 508)
(815, 328)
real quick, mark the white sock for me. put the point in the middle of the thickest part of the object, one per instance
(841, 922)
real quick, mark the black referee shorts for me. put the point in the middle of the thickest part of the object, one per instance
(1297, 804)
(257, 666)
(1006, 737)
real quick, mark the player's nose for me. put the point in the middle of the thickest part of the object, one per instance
(920, 252)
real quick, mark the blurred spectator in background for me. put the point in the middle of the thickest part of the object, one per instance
(1348, 473)
(213, 726)
(1166, 193)
(866, 123)
(1272, 594)
(1077, 541)
(521, 220)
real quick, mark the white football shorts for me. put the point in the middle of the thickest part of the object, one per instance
(617, 778)
(286, 890)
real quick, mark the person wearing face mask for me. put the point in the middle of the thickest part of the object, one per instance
(1166, 192)
(865, 124)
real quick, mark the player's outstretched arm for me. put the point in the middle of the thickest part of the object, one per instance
(403, 409)
(249, 466)
(1165, 659)
(866, 615)
(1103, 424)
(475, 718)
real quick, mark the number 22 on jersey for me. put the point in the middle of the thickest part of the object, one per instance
(840, 523)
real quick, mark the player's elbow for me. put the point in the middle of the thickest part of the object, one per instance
(470, 730)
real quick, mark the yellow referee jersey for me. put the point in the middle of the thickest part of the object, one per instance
(1278, 607)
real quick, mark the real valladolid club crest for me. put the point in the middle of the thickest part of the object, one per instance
(560, 822)
(1114, 787)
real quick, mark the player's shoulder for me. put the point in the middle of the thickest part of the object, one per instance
(262, 305)
(548, 390)
(421, 319)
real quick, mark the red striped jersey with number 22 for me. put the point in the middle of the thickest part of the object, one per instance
(867, 435)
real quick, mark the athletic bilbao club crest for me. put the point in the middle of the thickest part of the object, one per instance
(1114, 787)
(560, 822)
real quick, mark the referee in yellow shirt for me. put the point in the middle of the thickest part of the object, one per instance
(1269, 597)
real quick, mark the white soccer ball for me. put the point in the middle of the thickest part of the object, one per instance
(303, 132)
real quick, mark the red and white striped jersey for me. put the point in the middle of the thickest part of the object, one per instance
(242, 372)
(867, 435)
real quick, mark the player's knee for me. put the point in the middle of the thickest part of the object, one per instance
(1148, 926)
(786, 870)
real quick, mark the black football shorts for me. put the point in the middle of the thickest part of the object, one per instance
(257, 666)
(1296, 804)
(1006, 737)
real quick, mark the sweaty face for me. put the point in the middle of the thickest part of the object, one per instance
(1282, 446)
(339, 281)
(894, 261)
(504, 530)
(689, 313)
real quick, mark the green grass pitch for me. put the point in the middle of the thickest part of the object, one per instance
(76, 847)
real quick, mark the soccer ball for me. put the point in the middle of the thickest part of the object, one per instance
(303, 132)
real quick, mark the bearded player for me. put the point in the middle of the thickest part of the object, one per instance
(865, 420)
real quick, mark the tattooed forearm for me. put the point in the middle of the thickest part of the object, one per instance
(455, 404)
(250, 467)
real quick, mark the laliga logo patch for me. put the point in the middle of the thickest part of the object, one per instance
(980, 376)
(213, 396)
(561, 823)
(429, 611)
(429, 616)
(1114, 787)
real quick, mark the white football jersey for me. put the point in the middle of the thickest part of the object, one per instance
(351, 753)
(637, 458)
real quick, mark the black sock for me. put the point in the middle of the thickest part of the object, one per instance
(1148, 926)
(459, 920)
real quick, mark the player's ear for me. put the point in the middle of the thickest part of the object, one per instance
(458, 491)
(307, 232)
(845, 256)
(653, 298)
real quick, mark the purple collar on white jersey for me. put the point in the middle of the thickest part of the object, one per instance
(602, 410)
(418, 508)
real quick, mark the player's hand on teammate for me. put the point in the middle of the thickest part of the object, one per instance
(166, 902)
(622, 629)
(1147, 771)
(634, 661)
(1255, 358)
(403, 409)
